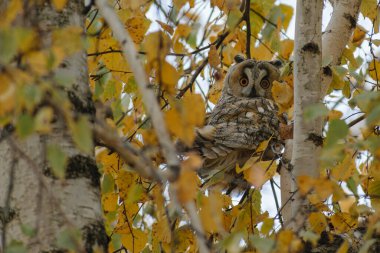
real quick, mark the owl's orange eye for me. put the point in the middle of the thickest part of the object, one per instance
(243, 81)
(265, 83)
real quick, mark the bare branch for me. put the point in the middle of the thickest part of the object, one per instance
(148, 95)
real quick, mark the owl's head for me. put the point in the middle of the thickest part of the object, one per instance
(251, 78)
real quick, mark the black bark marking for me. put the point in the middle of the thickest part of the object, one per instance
(311, 47)
(327, 71)
(350, 19)
(95, 234)
(316, 139)
(80, 166)
(6, 216)
(85, 105)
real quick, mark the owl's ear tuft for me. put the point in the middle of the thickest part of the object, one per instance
(239, 58)
(277, 63)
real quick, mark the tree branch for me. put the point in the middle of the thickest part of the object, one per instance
(246, 17)
(337, 34)
(148, 95)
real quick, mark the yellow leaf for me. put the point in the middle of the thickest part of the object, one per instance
(109, 201)
(161, 231)
(157, 45)
(267, 226)
(59, 4)
(169, 77)
(323, 188)
(213, 57)
(344, 169)
(7, 94)
(13, 9)
(166, 27)
(186, 186)
(37, 61)
(215, 91)
(343, 222)
(193, 162)
(374, 69)
(282, 94)
(211, 212)
(124, 181)
(345, 204)
(110, 162)
(135, 241)
(181, 31)
(369, 9)
(69, 39)
(137, 27)
(262, 53)
(186, 240)
(184, 116)
(305, 184)
(286, 47)
(259, 172)
(317, 222)
(358, 35)
(334, 114)
(43, 120)
(262, 146)
(344, 247)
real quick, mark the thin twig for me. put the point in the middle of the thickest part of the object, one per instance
(246, 17)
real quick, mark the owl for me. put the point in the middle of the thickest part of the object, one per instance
(244, 116)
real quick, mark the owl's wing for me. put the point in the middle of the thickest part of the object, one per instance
(234, 133)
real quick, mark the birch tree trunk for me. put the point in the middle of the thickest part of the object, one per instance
(334, 40)
(307, 139)
(29, 195)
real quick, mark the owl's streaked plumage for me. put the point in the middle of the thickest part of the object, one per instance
(244, 116)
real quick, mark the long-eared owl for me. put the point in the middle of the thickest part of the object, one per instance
(244, 116)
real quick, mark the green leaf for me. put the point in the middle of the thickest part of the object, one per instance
(82, 135)
(28, 230)
(351, 184)
(338, 130)
(131, 86)
(25, 125)
(263, 245)
(57, 160)
(374, 116)
(374, 188)
(315, 111)
(11, 40)
(233, 18)
(68, 239)
(108, 183)
(15, 247)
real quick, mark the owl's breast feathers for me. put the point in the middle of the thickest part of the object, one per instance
(234, 130)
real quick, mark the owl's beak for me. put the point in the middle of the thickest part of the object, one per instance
(263, 74)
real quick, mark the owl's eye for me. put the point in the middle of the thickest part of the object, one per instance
(265, 83)
(243, 81)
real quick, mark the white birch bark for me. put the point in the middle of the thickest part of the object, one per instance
(31, 197)
(334, 40)
(337, 34)
(307, 90)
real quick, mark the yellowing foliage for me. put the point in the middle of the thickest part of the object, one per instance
(185, 49)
